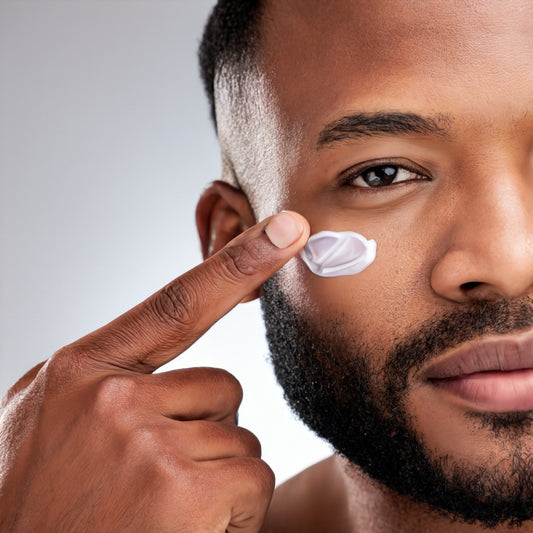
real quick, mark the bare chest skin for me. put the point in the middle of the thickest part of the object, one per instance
(314, 501)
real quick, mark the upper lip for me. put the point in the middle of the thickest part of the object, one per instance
(492, 353)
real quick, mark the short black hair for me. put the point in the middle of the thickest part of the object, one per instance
(229, 38)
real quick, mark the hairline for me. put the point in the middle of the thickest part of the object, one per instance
(239, 49)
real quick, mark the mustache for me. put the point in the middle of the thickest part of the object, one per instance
(440, 333)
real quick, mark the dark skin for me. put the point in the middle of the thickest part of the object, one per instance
(454, 228)
(464, 194)
(92, 441)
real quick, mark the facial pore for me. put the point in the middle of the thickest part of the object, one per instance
(326, 372)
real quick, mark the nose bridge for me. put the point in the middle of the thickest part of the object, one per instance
(495, 214)
(490, 244)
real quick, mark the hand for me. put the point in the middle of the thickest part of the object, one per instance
(91, 440)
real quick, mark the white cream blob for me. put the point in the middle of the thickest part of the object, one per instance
(333, 253)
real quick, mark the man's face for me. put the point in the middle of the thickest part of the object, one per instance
(412, 124)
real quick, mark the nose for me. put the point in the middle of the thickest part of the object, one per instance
(487, 249)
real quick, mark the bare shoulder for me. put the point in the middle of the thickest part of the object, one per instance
(313, 501)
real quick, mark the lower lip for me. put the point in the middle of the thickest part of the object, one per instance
(493, 391)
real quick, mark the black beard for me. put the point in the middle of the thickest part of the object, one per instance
(325, 373)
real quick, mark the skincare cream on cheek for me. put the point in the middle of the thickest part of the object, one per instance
(332, 253)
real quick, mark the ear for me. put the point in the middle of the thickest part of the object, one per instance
(222, 213)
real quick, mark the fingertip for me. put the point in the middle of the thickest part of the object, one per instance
(287, 228)
(306, 229)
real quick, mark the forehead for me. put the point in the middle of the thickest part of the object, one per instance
(325, 57)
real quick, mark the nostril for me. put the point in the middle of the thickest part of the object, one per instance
(466, 287)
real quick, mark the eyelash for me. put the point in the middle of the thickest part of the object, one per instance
(350, 176)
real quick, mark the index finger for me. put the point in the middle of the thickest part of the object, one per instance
(169, 321)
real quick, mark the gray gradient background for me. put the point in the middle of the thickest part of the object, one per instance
(105, 146)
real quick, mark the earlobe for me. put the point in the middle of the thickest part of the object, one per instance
(222, 213)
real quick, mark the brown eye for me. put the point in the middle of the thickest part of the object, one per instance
(382, 176)
(379, 176)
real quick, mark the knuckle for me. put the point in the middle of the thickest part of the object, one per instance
(225, 384)
(262, 475)
(144, 448)
(250, 443)
(175, 304)
(224, 378)
(243, 260)
(63, 366)
(115, 393)
(265, 476)
(145, 442)
(23, 384)
(147, 446)
(166, 468)
(228, 385)
(66, 353)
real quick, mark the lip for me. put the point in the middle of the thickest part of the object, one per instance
(491, 354)
(492, 374)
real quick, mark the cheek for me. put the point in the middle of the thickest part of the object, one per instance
(380, 303)
(393, 296)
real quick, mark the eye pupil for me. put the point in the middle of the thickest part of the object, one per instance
(377, 176)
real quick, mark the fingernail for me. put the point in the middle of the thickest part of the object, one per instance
(283, 230)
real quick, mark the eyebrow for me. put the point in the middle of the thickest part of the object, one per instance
(361, 125)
